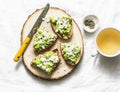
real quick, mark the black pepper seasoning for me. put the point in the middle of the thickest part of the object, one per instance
(89, 23)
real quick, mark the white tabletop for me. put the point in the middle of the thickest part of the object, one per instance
(91, 75)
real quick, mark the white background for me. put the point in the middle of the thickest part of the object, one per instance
(91, 75)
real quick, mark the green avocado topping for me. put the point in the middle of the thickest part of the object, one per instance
(46, 62)
(70, 52)
(43, 39)
(63, 25)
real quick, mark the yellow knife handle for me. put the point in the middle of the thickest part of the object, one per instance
(22, 49)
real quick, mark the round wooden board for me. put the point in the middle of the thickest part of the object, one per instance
(63, 69)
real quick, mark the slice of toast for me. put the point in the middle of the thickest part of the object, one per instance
(63, 35)
(43, 40)
(47, 62)
(70, 53)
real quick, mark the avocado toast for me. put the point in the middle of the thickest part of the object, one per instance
(70, 53)
(62, 26)
(43, 40)
(46, 62)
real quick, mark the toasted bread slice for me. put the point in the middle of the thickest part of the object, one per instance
(43, 40)
(47, 62)
(70, 53)
(63, 35)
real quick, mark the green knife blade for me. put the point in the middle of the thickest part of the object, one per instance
(39, 21)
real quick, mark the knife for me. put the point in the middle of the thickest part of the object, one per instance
(32, 32)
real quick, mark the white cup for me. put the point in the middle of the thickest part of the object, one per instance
(108, 42)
